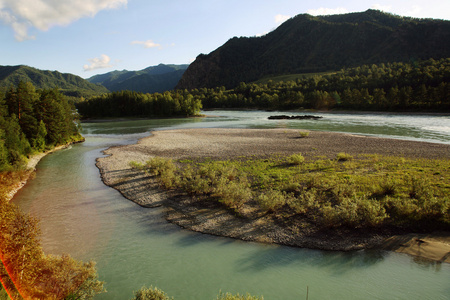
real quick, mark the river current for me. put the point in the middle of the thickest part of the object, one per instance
(134, 246)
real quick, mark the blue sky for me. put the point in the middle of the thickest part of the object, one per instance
(89, 37)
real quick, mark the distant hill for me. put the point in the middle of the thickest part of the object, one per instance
(68, 84)
(306, 44)
(154, 79)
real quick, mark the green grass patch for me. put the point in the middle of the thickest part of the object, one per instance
(362, 191)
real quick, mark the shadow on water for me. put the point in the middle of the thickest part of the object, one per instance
(336, 262)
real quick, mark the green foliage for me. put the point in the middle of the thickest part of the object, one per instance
(296, 159)
(32, 121)
(422, 85)
(159, 165)
(303, 134)
(151, 293)
(271, 200)
(132, 104)
(232, 193)
(368, 191)
(341, 156)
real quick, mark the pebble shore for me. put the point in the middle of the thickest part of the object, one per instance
(234, 143)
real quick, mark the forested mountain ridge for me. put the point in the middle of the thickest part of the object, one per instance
(154, 79)
(308, 43)
(68, 84)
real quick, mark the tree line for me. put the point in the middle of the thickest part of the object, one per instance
(414, 86)
(132, 104)
(33, 121)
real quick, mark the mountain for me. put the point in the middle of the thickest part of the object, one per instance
(69, 84)
(306, 43)
(158, 78)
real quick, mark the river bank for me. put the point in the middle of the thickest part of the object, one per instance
(30, 169)
(232, 143)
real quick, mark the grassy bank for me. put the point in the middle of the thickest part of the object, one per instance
(366, 191)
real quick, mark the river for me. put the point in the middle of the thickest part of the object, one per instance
(134, 246)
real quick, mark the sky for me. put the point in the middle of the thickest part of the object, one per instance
(89, 37)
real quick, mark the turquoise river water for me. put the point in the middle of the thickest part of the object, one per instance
(134, 246)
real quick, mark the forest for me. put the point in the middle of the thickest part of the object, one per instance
(407, 87)
(415, 86)
(33, 121)
(131, 104)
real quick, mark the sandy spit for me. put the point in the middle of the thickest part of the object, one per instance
(231, 143)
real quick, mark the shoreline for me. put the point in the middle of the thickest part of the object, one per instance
(31, 168)
(216, 143)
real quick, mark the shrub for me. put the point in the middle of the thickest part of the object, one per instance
(303, 134)
(136, 165)
(420, 189)
(150, 293)
(341, 156)
(388, 187)
(296, 159)
(271, 200)
(196, 185)
(233, 194)
(169, 179)
(158, 165)
(354, 212)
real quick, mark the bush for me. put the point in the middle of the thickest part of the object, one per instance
(159, 165)
(233, 194)
(341, 156)
(354, 212)
(271, 200)
(303, 134)
(388, 187)
(296, 159)
(150, 293)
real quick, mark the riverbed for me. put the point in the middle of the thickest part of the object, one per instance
(135, 246)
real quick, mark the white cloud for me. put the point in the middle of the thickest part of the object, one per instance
(147, 44)
(101, 62)
(414, 11)
(385, 8)
(281, 18)
(44, 14)
(327, 11)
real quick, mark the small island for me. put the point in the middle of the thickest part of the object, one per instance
(245, 220)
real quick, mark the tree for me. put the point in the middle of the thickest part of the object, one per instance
(31, 272)
(38, 142)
